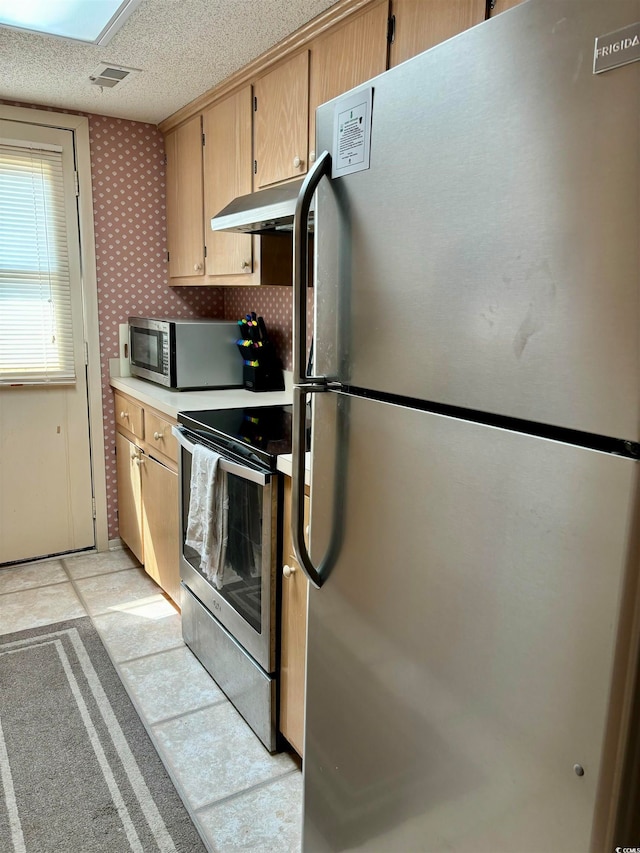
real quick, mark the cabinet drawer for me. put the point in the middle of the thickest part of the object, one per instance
(158, 435)
(128, 415)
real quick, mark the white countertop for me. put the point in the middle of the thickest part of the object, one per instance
(285, 462)
(171, 402)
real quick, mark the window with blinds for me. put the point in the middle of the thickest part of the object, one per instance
(36, 335)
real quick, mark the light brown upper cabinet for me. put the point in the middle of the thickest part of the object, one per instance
(209, 163)
(185, 237)
(421, 24)
(346, 57)
(497, 6)
(280, 122)
(227, 174)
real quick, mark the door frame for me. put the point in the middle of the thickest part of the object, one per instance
(79, 126)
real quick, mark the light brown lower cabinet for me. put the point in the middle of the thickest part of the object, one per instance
(293, 636)
(160, 541)
(129, 494)
(146, 469)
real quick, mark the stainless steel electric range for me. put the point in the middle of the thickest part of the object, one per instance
(229, 611)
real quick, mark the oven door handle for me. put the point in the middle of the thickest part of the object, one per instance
(259, 477)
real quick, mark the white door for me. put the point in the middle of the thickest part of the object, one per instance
(46, 499)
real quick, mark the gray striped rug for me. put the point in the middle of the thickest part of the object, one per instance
(79, 773)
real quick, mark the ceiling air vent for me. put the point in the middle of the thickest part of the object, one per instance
(108, 76)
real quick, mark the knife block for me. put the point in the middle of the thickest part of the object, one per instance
(263, 378)
(261, 369)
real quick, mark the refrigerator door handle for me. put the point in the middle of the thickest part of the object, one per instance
(321, 167)
(316, 576)
(303, 384)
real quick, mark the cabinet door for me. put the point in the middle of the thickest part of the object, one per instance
(421, 24)
(294, 635)
(280, 122)
(346, 57)
(497, 6)
(185, 238)
(160, 526)
(227, 174)
(129, 494)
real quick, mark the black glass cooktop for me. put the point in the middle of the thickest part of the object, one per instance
(257, 435)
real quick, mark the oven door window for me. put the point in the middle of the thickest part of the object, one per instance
(239, 579)
(146, 348)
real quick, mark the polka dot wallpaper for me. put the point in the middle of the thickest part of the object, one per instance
(128, 182)
(275, 305)
(128, 176)
(127, 160)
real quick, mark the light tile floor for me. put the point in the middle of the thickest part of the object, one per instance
(239, 796)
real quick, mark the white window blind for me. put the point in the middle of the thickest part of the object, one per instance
(36, 335)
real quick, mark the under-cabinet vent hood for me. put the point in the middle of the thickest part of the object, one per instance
(262, 212)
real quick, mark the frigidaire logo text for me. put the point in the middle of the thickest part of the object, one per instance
(617, 46)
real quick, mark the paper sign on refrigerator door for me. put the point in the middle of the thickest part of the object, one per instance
(352, 133)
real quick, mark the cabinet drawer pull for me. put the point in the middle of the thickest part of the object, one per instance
(287, 571)
(197, 267)
(158, 436)
(124, 416)
(297, 162)
(312, 156)
(245, 265)
(139, 460)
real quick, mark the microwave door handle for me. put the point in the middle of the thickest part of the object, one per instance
(259, 477)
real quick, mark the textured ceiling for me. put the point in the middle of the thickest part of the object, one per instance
(183, 48)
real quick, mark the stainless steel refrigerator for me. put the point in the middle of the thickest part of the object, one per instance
(473, 621)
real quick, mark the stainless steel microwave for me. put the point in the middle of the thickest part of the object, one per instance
(185, 354)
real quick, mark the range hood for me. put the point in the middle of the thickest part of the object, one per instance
(262, 212)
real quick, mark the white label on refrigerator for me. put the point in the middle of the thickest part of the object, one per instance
(352, 133)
